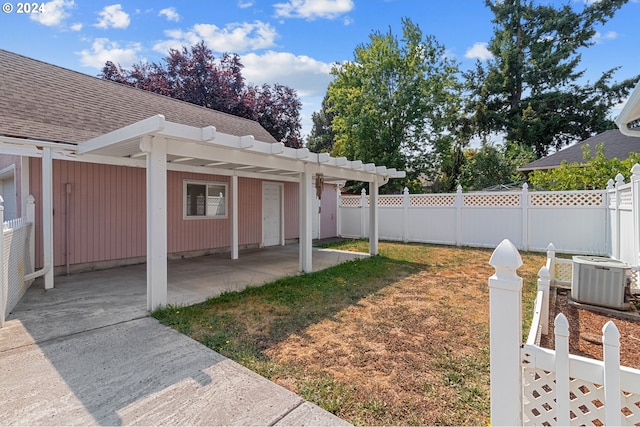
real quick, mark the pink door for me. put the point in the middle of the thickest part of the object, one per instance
(328, 212)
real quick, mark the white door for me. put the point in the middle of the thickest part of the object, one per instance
(271, 214)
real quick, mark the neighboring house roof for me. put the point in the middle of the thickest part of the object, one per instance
(44, 101)
(616, 145)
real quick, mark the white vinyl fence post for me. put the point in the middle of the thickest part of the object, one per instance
(406, 202)
(31, 217)
(551, 266)
(561, 328)
(635, 209)
(459, 203)
(611, 353)
(363, 216)
(505, 311)
(614, 218)
(524, 203)
(4, 289)
(619, 182)
(544, 283)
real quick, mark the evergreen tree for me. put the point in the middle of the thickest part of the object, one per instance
(530, 90)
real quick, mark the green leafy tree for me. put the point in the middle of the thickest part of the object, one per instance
(322, 136)
(592, 174)
(393, 102)
(494, 165)
(530, 90)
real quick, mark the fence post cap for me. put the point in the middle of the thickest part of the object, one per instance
(610, 184)
(459, 188)
(610, 334)
(551, 247)
(506, 255)
(31, 199)
(363, 192)
(620, 179)
(561, 325)
(406, 190)
(635, 169)
(525, 186)
(543, 273)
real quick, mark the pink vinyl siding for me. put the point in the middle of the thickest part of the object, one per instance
(107, 214)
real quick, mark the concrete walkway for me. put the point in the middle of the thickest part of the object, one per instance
(87, 352)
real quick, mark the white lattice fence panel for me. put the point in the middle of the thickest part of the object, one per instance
(631, 408)
(538, 388)
(432, 200)
(350, 201)
(390, 201)
(15, 262)
(566, 199)
(492, 199)
(563, 272)
(587, 403)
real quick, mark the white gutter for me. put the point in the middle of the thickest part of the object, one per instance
(630, 113)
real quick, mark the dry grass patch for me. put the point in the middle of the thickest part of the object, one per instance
(401, 338)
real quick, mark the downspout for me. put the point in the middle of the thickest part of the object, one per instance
(47, 221)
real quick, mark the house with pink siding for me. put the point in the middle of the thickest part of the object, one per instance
(121, 176)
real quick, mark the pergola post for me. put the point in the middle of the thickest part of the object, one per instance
(47, 216)
(234, 217)
(373, 216)
(156, 149)
(306, 238)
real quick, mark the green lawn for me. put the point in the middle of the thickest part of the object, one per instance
(400, 338)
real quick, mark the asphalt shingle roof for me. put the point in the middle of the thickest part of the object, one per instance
(616, 145)
(47, 102)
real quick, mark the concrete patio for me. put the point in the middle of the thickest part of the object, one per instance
(87, 352)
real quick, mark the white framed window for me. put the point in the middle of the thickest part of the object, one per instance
(205, 199)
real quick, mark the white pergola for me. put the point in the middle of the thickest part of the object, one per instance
(159, 145)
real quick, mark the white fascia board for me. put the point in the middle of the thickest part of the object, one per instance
(133, 131)
(629, 113)
(31, 147)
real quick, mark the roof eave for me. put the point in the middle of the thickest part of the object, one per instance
(630, 114)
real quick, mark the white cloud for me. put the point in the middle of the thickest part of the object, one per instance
(76, 27)
(309, 77)
(479, 51)
(55, 12)
(170, 13)
(113, 17)
(235, 37)
(244, 4)
(601, 38)
(103, 50)
(313, 9)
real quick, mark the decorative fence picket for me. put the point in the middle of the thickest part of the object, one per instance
(551, 387)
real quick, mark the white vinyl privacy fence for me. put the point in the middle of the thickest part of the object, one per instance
(576, 221)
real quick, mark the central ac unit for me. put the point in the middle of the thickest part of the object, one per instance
(600, 281)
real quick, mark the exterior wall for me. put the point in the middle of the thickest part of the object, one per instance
(107, 214)
(6, 161)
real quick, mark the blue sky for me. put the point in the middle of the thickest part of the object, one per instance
(291, 42)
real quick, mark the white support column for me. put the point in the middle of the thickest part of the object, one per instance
(156, 149)
(363, 207)
(373, 216)
(25, 186)
(234, 217)
(505, 314)
(306, 225)
(47, 216)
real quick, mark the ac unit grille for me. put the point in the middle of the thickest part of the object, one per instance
(600, 281)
